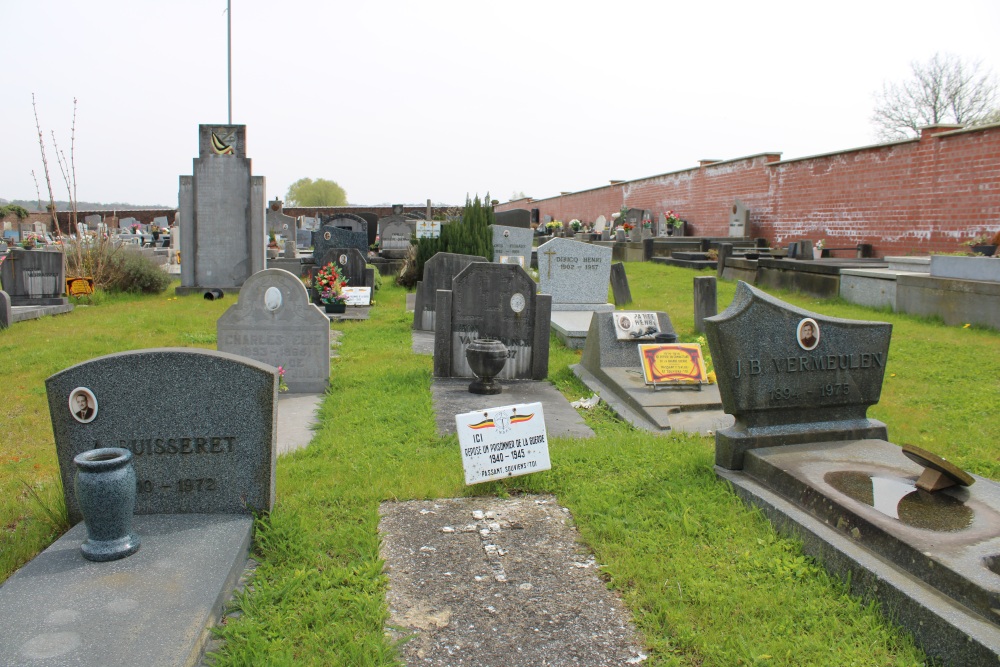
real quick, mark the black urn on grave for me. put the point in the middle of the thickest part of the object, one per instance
(486, 357)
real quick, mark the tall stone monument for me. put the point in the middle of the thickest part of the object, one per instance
(222, 213)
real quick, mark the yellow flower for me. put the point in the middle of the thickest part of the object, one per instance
(711, 378)
(966, 326)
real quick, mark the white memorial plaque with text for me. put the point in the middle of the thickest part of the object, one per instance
(357, 296)
(503, 442)
(635, 326)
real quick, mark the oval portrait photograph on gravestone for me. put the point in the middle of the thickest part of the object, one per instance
(83, 405)
(272, 298)
(808, 334)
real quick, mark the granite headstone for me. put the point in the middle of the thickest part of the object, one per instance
(791, 376)
(512, 245)
(34, 277)
(273, 322)
(495, 301)
(352, 265)
(619, 285)
(518, 217)
(575, 274)
(330, 236)
(439, 271)
(6, 316)
(201, 426)
(739, 219)
(395, 239)
(705, 300)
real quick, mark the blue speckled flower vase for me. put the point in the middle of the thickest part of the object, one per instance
(105, 490)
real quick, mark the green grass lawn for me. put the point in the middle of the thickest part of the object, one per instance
(707, 579)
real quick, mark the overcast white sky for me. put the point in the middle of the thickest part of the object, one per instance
(400, 101)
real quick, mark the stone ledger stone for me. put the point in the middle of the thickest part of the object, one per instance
(274, 323)
(791, 376)
(200, 424)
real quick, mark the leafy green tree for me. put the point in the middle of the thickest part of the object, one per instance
(321, 192)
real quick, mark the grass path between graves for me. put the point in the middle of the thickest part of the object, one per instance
(707, 579)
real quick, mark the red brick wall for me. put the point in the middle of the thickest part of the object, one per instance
(919, 196)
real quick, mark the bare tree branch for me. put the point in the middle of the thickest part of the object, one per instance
(45, 164)
(943, 90)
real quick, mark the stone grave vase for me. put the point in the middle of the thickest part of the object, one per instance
(105, 490)
(486, 357)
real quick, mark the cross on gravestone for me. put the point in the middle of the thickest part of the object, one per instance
(550, 254)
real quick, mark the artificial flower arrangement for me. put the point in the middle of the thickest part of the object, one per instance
(553, 225)
(628, 226)
(330, 283)
(820, 244)
(282, 385)
(575, 224)
(673, 219)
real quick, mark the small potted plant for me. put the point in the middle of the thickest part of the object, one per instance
(553, 227)
(818, 249)
(272, 246)
(575, 224)
(984, 244)
(330, 284)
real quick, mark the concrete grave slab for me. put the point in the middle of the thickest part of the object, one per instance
(152, 608)
(612, 369)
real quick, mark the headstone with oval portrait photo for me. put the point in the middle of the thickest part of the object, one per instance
(352, 265)
(791, 376)
(512, 245)
(496, 301)
(200, 424)
(330, 236)
(273, 322)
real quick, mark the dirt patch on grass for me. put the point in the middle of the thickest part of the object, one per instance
(492, 582)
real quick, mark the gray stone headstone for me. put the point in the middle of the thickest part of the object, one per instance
(600, 224)
(303, 238)
(6, 317)
(93, 220)
(705, 300)
(518, 217)
(619, 285)
(725, 252)
(351, 264)
(395, 239)
(274, 323)
(372, 221)
(603, 350)
(496, 301)
(439, 271)
(222, 205)
(574, 273)
(127, 223)
(277, 222)
(512, 242)
(201, 426)
(333, 237)
(792, 376)
(34, 277)
(161, 222)
(309, 224)
(739, 219)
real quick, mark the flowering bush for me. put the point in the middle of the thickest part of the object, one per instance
(673, 219)
(330, 283)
